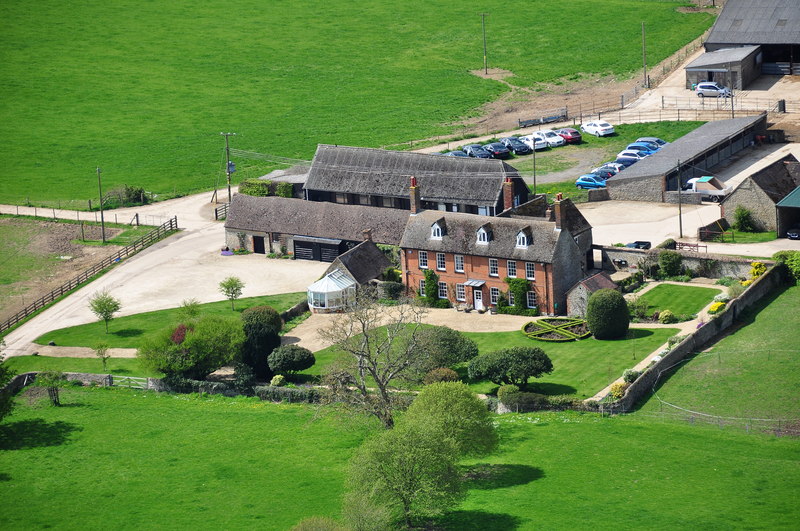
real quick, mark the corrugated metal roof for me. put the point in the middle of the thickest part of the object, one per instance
(721, 57)
(757, 22)
(792, 200)
(686, 148)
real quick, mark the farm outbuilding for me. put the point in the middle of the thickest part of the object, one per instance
(731, 67)
(788, 212)
(772, 25)
(658, 177)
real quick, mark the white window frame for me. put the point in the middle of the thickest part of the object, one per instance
(423, 259)
(510, 299)
(442, 290)
(530, 270)
(441, 262)
(459, 263)
(483, 236)
(436, 232)
(522, 240)
(494, 294)
(511, 268)
(422, 287)
(461, 292)
(530, 299)
(494, 267)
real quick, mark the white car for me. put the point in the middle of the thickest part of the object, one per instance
(534, 142)
(631, 154)
(599, 128)
(714, 90)
(552, 138)
(610, 166)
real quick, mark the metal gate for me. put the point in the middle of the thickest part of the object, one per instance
(133, 382)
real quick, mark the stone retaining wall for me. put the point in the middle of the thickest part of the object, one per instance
(298, 309)
(711, 265)
(711, 331)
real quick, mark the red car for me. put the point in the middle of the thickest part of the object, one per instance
(570, 135)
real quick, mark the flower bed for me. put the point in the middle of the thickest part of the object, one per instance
(557, 329)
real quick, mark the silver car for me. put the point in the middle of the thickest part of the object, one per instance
(713, 90)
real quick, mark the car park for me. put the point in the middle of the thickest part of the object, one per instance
(550, 136)
(570, 135)
(653, 139)
(497, 150)
(517, 146)
(712, 90)
(456, 154)
(534, 142)
(598, 128)
(590, 181)
(610, 166)
(477, 151)
(631, 154)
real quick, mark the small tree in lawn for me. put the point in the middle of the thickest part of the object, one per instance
(514, 365)
(104, 306)
(101, 351)
(232, 288)
(289, 359)
(52, 381)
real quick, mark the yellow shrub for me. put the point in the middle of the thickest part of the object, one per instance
(757, 269)
(716, 307)
(747, 282)
(618, 389)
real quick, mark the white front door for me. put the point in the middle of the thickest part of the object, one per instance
(477, 296)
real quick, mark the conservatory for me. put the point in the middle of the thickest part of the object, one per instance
(331, 293)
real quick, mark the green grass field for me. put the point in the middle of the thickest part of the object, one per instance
(127, 459)
(680, 300)
(144, 89)
(581, 368)
(751, 373)
(129, 331)
(118, 366)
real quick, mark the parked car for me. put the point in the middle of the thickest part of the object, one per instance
(641, 148)
(550, 136)
(598, 128)
(713, 90)
(626, 161)
(603, 174)
(638, 244)
(610, 166)
(651, 146)
(497, 150)
(590, 181)
(477, 151)
(653, 139)
(793, 233)
(517, 146)
(631, 154)
(534, 142)
(570, 135)
(456, 154)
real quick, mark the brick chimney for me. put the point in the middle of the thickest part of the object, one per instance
(416, 204)
(558, 210)
(367, 235)
(508, 194)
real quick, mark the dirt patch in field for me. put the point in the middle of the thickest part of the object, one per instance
(53, 242)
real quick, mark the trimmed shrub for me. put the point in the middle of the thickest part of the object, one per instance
(727, 281)
(287, 394)
(441, 346)
(284, 189)
(505, 391)
(278, 381)
(618, 390)
(667, 317)
(716, 308)
(669, 243)
(607, 314)
(290, 359)
(630, 375)
(513, 365)
(743, 219)
(522, 402)
(638, 308)
(670, 263)
(442, 374)
(244, 378)
(256, 187)
(177, 384)
(261, 327)
(392, 290)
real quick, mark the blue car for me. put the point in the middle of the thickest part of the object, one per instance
(643, 147)
(477, 151)
(589, 181)
(654, 140)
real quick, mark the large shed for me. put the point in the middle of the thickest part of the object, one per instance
(774, 25)
(731, 67)
(658, 177)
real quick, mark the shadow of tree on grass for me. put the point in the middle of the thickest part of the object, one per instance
(477, 521)
(35, 433)
(128, 332)
(484, 476)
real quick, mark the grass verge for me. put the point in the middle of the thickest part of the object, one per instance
(680, 300)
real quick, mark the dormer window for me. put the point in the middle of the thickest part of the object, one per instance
(484, 235)
(523, 239)
(436, 231)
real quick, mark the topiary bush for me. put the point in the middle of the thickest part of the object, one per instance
(607, 314)
(618, 390)
(277, 381)
(670, 263)
(290, 359)
(505, 391)
(514, 365)
(261, 325)
(440, 346)
(667, 317)
(442, 374)
(630, 375)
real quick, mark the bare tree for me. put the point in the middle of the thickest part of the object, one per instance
(381, 345)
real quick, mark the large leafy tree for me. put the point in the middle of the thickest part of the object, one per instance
(441, 346)
(513, 365)
(104, 306)
(381, 346)
(262, 325)
(193, 351)
(6, 374)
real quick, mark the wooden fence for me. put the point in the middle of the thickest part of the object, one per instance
(221, 212)
(129, 250)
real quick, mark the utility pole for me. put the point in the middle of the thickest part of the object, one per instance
(644, 58)
(680, 203)
(102, 221)
(228, 163)
(534, 168)
(730, 79)
(485, 62)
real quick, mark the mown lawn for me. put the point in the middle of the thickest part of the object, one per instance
(581, 368)
(680, 300)
(146, 92)
(118, 366)
(751, 373)
(129, 331)
(126, 458)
